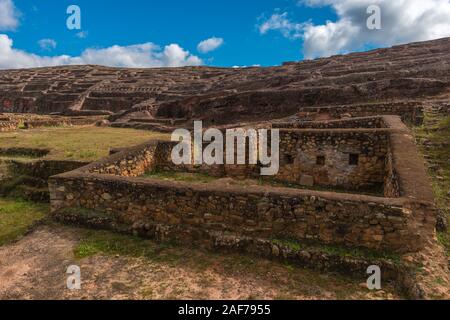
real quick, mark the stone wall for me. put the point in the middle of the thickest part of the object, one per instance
(6, 126)
(27, 152)
(132, 162)
(42, 169)
(313, 158)
(391, 185)
(29, 179)
(30, 121)
(411, 178)
(350, 159)
(165, 163)
(410, 112)
(142, 206)
(110, 194)
(59, 122)
(351, 123)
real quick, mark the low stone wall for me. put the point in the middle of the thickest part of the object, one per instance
(410, 112)
(408, 167)
(59, 122)
(99, 114)
(110, 194)
(441, 107)
(312, 158)
(29, 179)
(391, 184)
(143, 205)
(115, 101)
(169, 122)
(143, 126)
(27, 152)
(365, 122)
(42, 169)
(132, 162)
(306, 255)
(6, 126)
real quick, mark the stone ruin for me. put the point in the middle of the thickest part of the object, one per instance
(350, 173)
(377, 154)
(15, 121)
(356, 183)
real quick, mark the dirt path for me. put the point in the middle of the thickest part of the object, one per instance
(34, 268)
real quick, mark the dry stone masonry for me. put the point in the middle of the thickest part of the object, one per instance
(350, 174)
(112, 194)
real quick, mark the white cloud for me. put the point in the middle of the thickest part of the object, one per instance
(209, 45)
(402, 21)
(134, 56)
(9, 15)
(281, 23)
(47, 44)
(174, 56)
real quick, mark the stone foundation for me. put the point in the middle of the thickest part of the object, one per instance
(120, 200)
(142, 205)
(29, 179)
(6, 126)
(410, 112)
(60, 122)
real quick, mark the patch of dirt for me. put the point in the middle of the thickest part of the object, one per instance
(35, 268)
(433, 276)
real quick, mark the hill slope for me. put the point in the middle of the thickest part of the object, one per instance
(221, 95)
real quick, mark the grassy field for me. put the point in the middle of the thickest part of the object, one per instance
(16, 216)
(434, 139)
(85, 143)
(249, 182)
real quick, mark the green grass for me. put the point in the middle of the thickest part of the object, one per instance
(95, 242)
(436, 130)
(289, 278)
(375, 191)
(16, 217)
(338, 250)
(109, 243)
(198, 177)
(85, 143)
(104, 242)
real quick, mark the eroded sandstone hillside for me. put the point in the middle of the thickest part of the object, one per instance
(226, 95)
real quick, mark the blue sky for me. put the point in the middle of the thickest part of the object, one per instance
(164, 22)
(293, 29)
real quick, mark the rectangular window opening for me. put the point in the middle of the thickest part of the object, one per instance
(320, 160)
(354, 159)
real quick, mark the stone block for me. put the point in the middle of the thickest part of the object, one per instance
(307, 180)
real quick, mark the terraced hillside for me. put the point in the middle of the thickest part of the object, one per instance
(414, 72)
